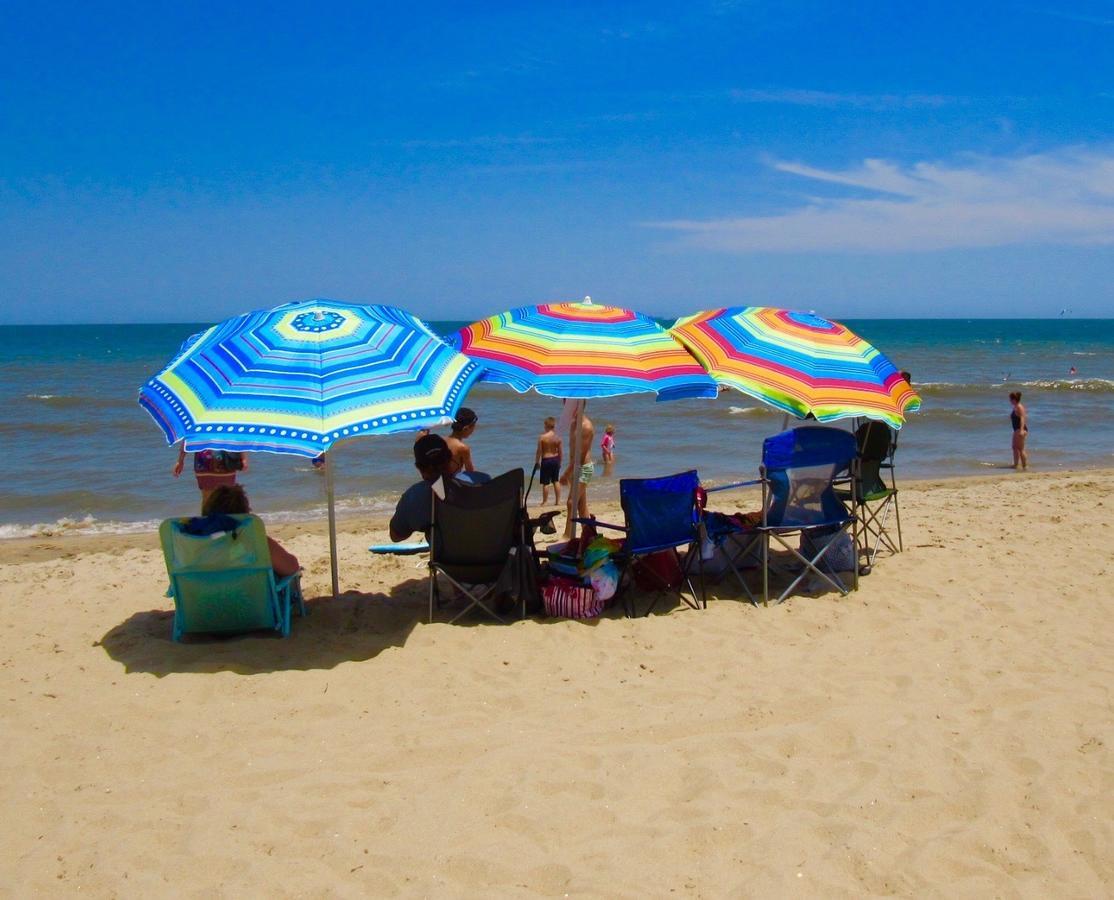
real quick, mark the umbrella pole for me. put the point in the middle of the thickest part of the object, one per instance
(332, 522)
(574, 468)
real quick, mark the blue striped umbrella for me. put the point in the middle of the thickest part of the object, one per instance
(302, 376)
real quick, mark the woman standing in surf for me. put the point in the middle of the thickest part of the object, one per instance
(1019, 419)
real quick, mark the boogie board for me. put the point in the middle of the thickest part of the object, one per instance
(400, 549)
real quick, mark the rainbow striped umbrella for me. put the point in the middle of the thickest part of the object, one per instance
(302, 376)
(582, 350)
(797, 362)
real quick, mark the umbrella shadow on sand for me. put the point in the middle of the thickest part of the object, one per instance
(355, 627)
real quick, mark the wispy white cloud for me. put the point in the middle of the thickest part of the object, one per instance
(829, 100)
(1065, 197)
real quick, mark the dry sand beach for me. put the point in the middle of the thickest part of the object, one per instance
(944, 731)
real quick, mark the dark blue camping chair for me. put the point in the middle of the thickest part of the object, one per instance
(661, 514)
(799, 472)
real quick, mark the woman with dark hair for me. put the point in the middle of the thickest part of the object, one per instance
(1019, 419)
(232, 500)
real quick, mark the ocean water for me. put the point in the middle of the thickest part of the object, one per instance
(82, 456)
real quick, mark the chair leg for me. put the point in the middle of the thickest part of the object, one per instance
(897, 521)
(766, 568)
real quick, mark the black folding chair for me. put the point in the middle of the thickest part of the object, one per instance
(478, 543)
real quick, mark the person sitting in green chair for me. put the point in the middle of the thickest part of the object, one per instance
(232, 500)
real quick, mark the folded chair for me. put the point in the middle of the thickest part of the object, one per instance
(478, 543)
(222, 581)
(877, 444)
(660, 514)
(799, 471)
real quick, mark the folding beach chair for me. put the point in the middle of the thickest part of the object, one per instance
(660, 514)
(478, 543)
(222, 581)
(877, 444)
(799, 471)
(734, 541)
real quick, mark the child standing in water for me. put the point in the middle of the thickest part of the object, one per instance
(607, 445)
(548, 460)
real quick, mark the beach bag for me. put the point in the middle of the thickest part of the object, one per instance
(657, 571)
(570, 598)
(840, 556)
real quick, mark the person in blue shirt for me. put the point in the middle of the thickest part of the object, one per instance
(433, 459)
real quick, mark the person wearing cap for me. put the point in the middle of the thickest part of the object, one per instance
(463, 427)
(433, 460)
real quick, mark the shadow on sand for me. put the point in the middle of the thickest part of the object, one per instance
(354, 627)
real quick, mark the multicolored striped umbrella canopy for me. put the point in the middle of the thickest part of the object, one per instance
(798, 362)
(302, 376)
(582, 350)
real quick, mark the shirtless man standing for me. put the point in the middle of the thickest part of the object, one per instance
(585, 467)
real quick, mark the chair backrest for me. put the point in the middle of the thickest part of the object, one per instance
(660, 512)
(221, 581)
(876, 442)
(476, 525)
(800, 467)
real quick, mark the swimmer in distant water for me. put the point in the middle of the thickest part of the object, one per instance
(1019, 419)
(1073, 371)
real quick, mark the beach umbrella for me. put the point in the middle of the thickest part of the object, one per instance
(797, 362)
(579, 351)
(304, 376)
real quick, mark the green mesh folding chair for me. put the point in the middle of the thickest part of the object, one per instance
(875, 499)
(222, 581)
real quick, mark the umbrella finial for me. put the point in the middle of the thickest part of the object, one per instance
(587, 299)
(318, 315)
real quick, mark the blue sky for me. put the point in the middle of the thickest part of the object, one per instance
(185, 162)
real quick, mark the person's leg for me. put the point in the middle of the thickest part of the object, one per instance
(1015, 443)
(1023, 453)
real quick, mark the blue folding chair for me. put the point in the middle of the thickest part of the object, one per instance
(223, 582)
(799, 473)
(660, 514)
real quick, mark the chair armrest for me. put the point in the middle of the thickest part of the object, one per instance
(598, 524)
(284, 583)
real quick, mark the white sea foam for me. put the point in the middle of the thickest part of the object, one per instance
(84, 525)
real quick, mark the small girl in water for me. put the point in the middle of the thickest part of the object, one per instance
(607, 445)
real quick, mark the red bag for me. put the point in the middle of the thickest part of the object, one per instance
(658, 571)
(570, 598)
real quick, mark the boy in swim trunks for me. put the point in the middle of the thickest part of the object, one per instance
(548, 460)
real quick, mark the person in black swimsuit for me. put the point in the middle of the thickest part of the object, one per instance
(1019, 418)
